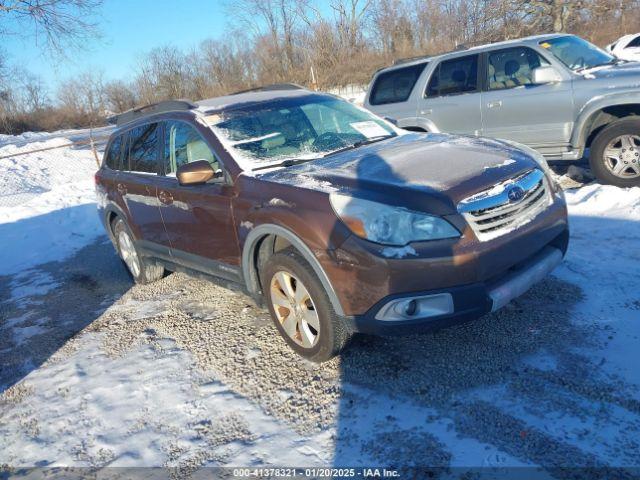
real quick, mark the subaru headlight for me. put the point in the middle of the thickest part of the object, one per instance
(389, 225)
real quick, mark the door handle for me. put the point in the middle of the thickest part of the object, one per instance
(122, 189)
(428, 111)
(496, 104)
(165, 197)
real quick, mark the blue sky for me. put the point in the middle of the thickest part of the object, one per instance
(129, 29)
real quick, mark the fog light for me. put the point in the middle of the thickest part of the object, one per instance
(417, 307)
(411, 308)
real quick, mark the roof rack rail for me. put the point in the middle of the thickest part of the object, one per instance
(458, 48)
(138, 112)
(400, 61)
(272, 87)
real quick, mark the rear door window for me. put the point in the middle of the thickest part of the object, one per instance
(113, 158)
(455, 76)
(396, 85)
(143, 149)
(183, 144)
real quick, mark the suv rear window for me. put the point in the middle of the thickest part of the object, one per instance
(113, 158)
(396, 85)
(143, 149)
(458, 75)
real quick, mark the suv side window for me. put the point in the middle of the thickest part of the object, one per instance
(183, 144)
(143, 149)
(512, 67)
(451, 77)
(395, 86)
(113, 158)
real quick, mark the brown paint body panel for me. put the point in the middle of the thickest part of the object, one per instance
(362, 276)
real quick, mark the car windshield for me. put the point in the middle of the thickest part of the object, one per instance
(302, 127)
(576, 53)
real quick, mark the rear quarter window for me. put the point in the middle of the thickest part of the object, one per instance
(396, 85)
(113, 157)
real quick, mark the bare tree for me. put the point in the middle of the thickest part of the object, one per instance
(34, 92)
(82, 99)
(273, 25)
(119, 96)
(60, 23)
(550, 15)
(350, 16)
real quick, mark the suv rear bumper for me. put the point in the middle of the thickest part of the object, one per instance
(469, 301)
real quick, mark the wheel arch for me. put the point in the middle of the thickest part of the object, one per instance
(111, 213)
(262, 239)
(599, 113)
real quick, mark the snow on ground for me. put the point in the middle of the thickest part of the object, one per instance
(47, 202)
(182, 373)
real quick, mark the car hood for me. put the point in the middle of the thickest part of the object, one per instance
(428, 172)
(627, 73)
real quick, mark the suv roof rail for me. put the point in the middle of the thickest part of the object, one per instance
(400, 61)
(139, 112)
(272, 87)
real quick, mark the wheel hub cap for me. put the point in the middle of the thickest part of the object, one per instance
(295, 309)
(622, 156)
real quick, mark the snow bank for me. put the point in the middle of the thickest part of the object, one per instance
(605, 200)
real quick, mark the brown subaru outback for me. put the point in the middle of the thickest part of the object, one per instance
(335, 219)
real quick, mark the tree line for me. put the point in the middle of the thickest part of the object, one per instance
(271, 41)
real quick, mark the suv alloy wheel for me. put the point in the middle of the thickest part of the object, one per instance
(615, 153)
(301, 309)
(142, 270)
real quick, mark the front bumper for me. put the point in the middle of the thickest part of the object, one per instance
(469, 301)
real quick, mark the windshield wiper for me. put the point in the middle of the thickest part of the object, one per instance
(284, 163)
(298, 161)
(360, 143)
(615, 61)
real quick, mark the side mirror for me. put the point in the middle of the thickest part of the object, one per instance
(195, 173)
(546, 74)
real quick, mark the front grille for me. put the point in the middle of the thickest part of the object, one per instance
(492, 212)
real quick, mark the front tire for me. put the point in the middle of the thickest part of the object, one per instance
(142, 270)
(615, 153)
(301, 309)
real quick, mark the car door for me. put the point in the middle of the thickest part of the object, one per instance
(197, 218)
(136, 184)
(514, 108)
(452, 97)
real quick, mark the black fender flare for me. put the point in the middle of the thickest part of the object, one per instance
(249, 267)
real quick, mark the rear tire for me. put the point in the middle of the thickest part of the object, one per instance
(304, 316)
(615, 153)
(143, 270)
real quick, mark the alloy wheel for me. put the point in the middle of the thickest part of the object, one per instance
(128, 252)
(294, 309)
(622, 156)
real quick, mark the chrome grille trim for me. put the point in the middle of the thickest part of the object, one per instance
(491, 213)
